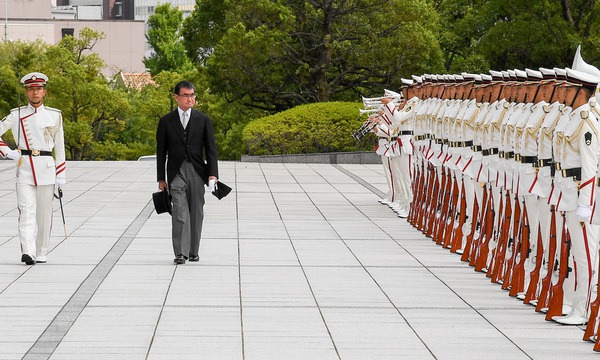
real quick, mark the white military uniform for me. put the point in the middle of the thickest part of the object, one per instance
(38, 133)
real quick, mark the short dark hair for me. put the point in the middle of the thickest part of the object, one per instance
(183, 84)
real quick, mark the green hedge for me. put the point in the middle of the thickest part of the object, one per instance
(306, 129)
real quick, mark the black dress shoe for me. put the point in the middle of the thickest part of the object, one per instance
(194, 258)
(179, 259)
(27, 259)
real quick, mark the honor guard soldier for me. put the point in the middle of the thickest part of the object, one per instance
(577, 164)
(38, 130)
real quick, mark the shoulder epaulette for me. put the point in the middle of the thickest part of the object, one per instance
(52, 109)
(16, 109)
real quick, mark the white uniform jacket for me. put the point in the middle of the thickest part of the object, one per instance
(39, 129)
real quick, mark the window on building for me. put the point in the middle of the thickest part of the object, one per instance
(118, 9)
(68, 32)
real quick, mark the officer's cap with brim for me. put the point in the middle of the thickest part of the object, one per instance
(162, 202)
(548, 73)
(406, 82)
(582, 78)
(34, 79)
(496, 75)
(417, 79)
(534, 75)
(486, 78)
(561, 74)
(520, 75)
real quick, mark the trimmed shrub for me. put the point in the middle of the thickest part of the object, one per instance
(306, 129)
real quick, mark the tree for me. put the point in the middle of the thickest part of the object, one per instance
(276, 55)
(499, 34)
(204, 28)
(165, 39)
(92, 111)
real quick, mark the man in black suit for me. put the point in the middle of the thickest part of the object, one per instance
(186, 136)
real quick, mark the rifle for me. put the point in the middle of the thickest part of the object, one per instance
(415, 203)
(480, 229)
(517, 283)
(459, 221)
(543, 297)
(452, 212)
(556, 295)
(433, 202)
(486, 233)
(418, 187)
(425, 195)
(500, 251)
(496, 234)
(534, 275)
(517, 220)
(466, 255)
(444, 204)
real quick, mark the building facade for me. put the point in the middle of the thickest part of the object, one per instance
(123, 49)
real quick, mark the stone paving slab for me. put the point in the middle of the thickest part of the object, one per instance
(298, 262)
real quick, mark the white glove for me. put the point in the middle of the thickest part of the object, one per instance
(583, 213)
(14, 154)
(60, 182)
(212, 185)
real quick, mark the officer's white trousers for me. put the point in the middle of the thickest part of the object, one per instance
(35, 219)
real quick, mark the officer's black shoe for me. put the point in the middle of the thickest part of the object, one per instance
(179, 259)
(27, 259)
(194, 258)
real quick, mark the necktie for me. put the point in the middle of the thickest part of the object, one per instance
(184, 119)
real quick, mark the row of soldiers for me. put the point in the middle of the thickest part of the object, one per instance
(504, 169)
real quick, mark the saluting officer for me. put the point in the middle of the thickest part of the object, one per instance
(38, 130)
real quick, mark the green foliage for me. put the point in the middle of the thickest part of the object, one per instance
(92, 110)
(279, 54)
(204, 28)
(164, 37)
(497, 34)
(313, 128)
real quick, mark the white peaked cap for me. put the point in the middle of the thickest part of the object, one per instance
(534, 74)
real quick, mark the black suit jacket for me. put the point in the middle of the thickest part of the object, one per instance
(197, 142)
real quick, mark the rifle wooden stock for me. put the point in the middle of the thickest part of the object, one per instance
(517, 282)
(452, 212)
(470, 239)
(438, 208)
(459, 221)
(500, 253)
(547, 280)
(416, 189)
(496, 235)
(597, 346)
(476, 225)
(429, 193)
(445, 205)
(422, 194)
(512, 245)
(487, 231)
(432, 204)
(534, 275)
(556, 291)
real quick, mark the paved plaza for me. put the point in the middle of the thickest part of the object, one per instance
(300, 261)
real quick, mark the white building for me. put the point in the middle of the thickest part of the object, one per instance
(123, 48)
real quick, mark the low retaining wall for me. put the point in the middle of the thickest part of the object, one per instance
(358, 157)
